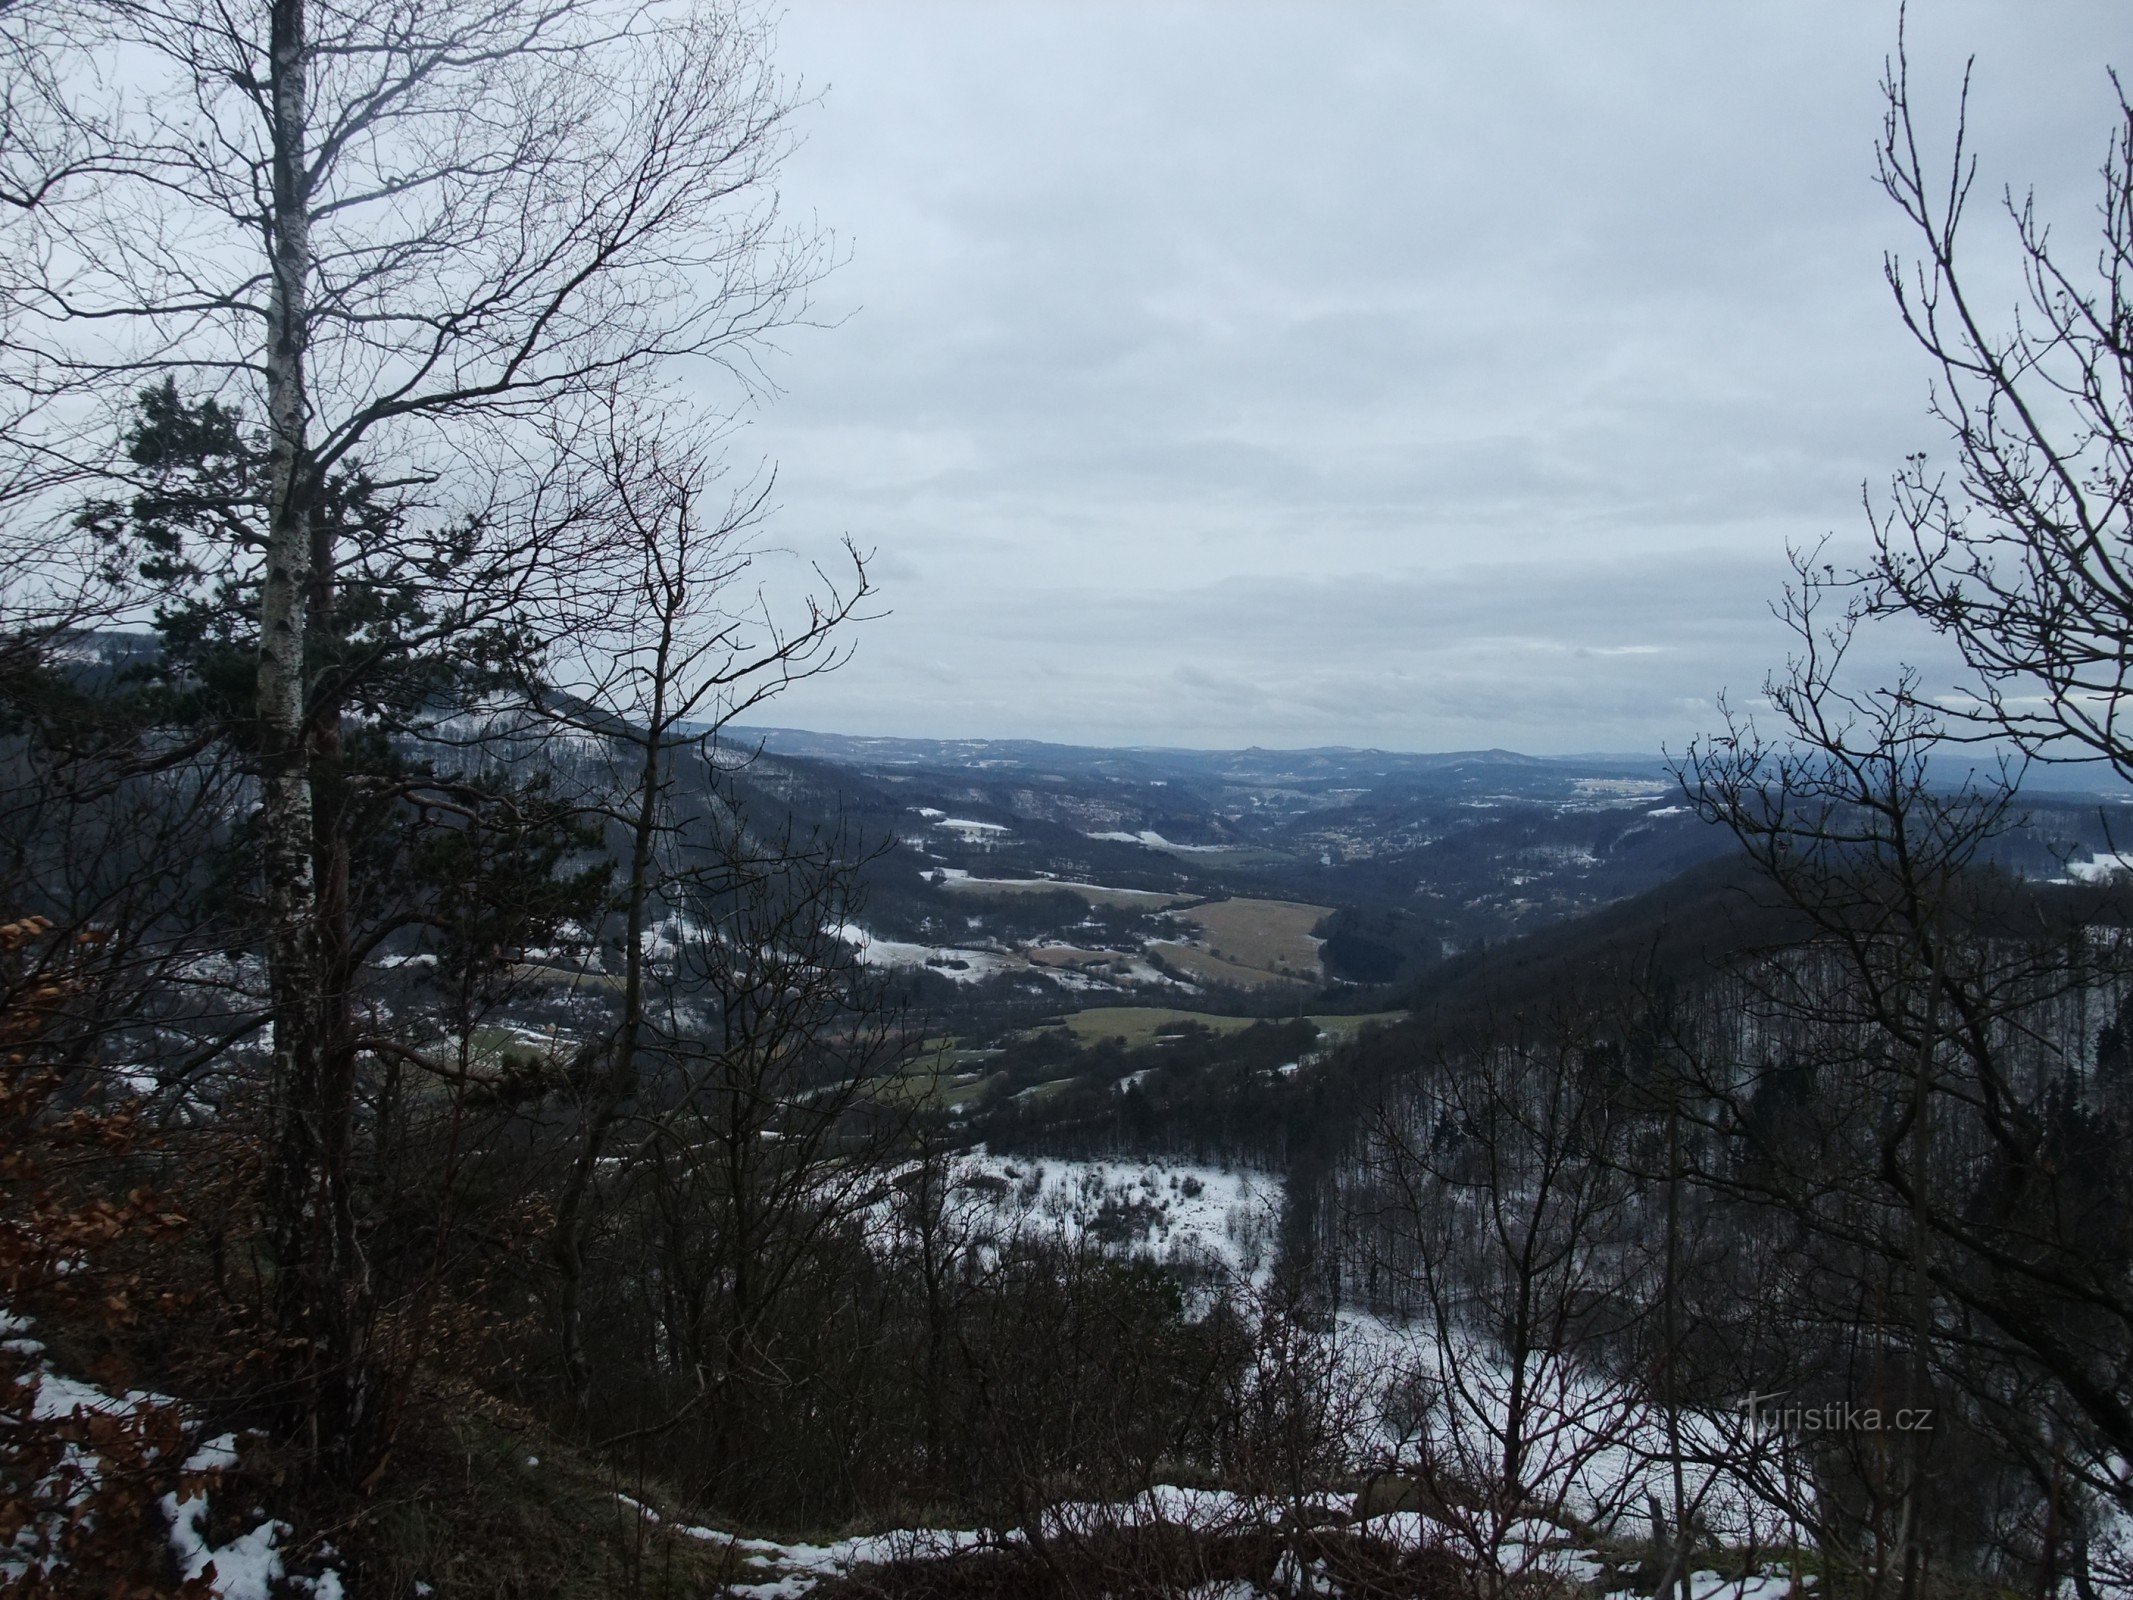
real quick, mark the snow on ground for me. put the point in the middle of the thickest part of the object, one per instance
(971, 830)
(950, 961)
(1146, 973)
(1595, 1449)
(788, 1571)
(791, 1570)
(1595, 1446)
(2098, 868)
(1173, 1213)
(963, 964)
(246, 1568)
(1155, 841)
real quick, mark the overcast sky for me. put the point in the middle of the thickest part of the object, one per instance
(1426, 376)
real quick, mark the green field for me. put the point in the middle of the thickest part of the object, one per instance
(1344, 1027)
(938, 1079)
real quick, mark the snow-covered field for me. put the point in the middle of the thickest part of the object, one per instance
(2099, 868)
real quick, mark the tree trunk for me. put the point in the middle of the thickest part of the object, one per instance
(299, 1202)
(348, 1402)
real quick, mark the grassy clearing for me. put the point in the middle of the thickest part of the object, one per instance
(1095, 893)
(945, 1092)
(944, 1073)
(1050, 1089)
(1204, 967)
(534, 973)
(1137, 1024)
(1332, 1028)
(1271, 938)
(491, 1043)
(1232, 856)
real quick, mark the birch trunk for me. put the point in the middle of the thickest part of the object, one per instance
(299, 1203)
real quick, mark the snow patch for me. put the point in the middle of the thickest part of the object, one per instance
(949, 961)
(2099, 868)
(1155, 841)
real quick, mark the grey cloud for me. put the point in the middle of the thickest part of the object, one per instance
(1622, 654)
(1303, 373)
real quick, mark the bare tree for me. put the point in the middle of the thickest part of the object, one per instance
(773, 1131)
(669, 644)
(1497, 1214)
(2021, 557)
(1922, 1004)
(393, 234)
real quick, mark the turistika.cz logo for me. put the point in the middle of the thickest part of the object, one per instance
(1835, 1416)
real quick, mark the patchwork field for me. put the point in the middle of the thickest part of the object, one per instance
(1074, 958)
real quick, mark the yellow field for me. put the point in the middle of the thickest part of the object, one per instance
(1069, 956)
(1203, 966)
(1137, 1024)
(1250, 943)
